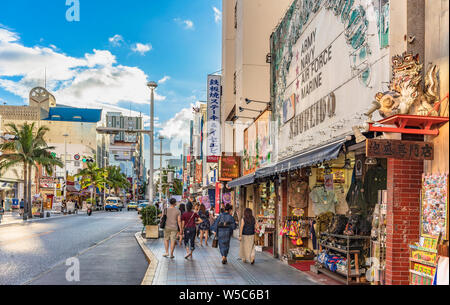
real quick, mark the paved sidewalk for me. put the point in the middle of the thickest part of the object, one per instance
(206, 268)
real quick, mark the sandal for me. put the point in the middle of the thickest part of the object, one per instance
(165, 255)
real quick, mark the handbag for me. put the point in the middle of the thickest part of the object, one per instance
(162, 223)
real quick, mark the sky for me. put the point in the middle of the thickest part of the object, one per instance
(104, 60)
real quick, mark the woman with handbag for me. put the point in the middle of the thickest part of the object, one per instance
(189, 220)
(223, 230)
(247, 237)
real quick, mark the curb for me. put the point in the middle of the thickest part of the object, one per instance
(152, 260)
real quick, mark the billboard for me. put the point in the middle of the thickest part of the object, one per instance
(329, 61)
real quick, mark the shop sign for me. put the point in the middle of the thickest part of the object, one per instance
(212, 159)
(397, 149)
(47, 182)
(326, 69)
(257, 145)
(229, 168)
(213, 112)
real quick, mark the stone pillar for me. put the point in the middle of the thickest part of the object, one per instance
(404, 181)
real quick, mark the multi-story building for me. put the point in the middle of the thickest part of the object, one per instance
(246, 30)
(72, 131)
(126, 148)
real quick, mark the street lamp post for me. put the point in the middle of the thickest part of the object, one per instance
(65, 165)
(152, 86)
(161, 138)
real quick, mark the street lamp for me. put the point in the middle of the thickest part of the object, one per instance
(161, 138)
(65, 165)
(152, 85)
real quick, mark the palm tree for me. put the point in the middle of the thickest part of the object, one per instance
(93, 176)
(28, 149)
(116, 179)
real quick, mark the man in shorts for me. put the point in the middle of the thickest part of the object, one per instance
(173, 223)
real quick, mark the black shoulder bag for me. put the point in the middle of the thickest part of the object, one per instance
(162, 223)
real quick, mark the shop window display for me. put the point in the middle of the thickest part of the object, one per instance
(426, 261)
(266, 216)
(344, 233)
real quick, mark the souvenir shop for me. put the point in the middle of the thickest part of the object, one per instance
(329, 209)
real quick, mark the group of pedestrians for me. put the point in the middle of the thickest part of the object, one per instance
(191, 221)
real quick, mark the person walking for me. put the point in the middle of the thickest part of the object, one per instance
(188, 228)
(182, 209)
(204, 226)
(173, 222)
(247, 237)
(223, 228)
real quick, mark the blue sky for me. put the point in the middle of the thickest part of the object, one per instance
(103, 60)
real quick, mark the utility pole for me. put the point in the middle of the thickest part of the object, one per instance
(161, 138)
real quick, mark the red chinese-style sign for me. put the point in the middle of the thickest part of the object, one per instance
(212, 159)
(397, 149)
(229, 168)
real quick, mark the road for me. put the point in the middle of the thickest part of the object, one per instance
(104, 244)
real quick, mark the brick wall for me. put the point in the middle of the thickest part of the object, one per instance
(404, 180)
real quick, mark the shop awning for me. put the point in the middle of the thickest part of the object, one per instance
(72, 189)
(311, 157)
(245, 180)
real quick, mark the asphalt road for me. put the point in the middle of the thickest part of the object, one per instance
(104, 244)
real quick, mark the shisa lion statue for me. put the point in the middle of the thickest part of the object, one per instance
(406, 95)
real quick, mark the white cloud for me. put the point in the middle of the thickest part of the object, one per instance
(116, 40)
(141, 48)
(177, 129)
(164, 79)
(188, 24)
(95, 80)
(217, 14)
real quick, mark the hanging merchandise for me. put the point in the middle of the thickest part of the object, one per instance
(298, 194)
(323, 201)
(374, 181)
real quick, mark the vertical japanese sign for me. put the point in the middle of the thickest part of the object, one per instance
(213, 121)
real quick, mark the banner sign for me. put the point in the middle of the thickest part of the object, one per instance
(229, 168)
(213, 112)
(198, 171)
(397, 149)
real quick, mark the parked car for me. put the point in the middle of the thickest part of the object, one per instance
(141, 206)
(132, 206)
(113, 204)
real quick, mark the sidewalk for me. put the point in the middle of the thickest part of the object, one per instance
(206, 268)
(10, 218)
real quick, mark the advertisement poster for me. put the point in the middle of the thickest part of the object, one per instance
(263, 148)
(250, 156)
(434, 206)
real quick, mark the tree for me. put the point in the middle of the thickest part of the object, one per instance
(116, 179)
(30, 150)
(93, 176)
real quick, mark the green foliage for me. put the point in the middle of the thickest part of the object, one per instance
(29, 150)
(150, 216)
(116, 179)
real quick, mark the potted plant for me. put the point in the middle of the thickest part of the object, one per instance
(150, 221)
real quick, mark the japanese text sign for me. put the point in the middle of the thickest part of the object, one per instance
(396, 149)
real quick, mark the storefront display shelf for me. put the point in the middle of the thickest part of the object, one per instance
(346, 236)
(431, 264)
(421, 274)
(345, 251)
(422, 249)
(340, 277)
